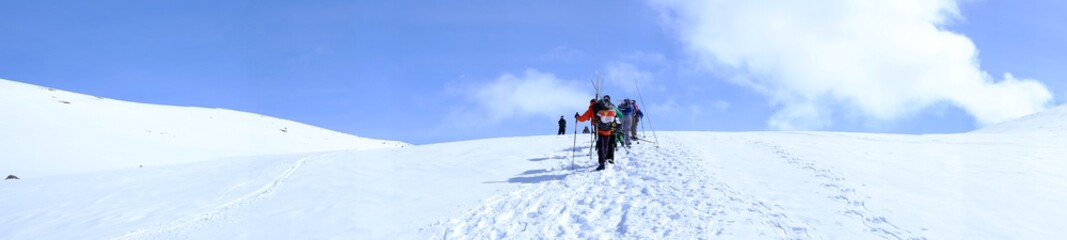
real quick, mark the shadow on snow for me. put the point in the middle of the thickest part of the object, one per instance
(576, 149)
(547, 158)
(543, 175)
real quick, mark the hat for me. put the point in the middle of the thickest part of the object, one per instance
(606, 97)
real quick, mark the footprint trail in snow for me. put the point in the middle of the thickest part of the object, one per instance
(651, 193)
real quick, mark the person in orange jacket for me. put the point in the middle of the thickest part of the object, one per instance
(605, 117)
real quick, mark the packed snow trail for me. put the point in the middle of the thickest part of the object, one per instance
(652, 193)
(178, 227)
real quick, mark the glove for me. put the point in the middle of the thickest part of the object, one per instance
(576, 115)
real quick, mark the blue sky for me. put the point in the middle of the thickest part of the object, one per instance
(436, 71)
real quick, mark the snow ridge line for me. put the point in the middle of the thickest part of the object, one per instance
(852, 205)
(653, 193)
(219, 213)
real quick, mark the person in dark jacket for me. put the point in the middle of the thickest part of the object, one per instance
(562, 126)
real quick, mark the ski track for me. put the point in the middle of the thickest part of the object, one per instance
(652, 193)
(852, 205)
(177, 228)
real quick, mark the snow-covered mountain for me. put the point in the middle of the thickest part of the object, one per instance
(1003, 184)
(1048, 122)
(46, 131)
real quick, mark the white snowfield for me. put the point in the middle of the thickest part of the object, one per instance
(45, 131)
(1006, 182)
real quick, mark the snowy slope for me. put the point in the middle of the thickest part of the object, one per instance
(1004, 182)
(1052, 121)
(757, 185)
(795, 186)
(48, 132)
(369, 194)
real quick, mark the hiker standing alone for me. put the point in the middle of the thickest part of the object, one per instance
(562, 126)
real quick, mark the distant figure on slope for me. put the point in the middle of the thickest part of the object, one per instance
(605, 118)
(562, 126)
(586, 130)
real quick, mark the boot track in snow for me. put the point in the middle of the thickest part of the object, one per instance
(851, 202)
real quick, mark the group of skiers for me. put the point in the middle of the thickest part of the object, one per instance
(613, 125)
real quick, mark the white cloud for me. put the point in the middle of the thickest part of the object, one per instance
(564, 54)
(720, 105)
(623, 76)
(532, 94)
(631, 72)
(881, 60)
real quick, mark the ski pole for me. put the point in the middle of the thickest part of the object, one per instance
(592, 139)
(574, 147)
(649, 120)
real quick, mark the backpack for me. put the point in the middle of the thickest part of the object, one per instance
(604, 118)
